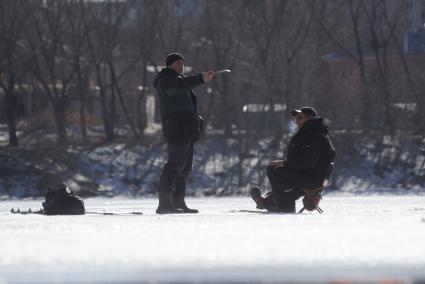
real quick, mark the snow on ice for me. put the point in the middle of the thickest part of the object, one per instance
(358, 238)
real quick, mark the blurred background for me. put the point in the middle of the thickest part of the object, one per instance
(77, 103)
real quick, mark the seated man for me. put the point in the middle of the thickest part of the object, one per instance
(309, 156)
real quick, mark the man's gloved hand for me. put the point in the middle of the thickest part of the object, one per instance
(276, 164)
(312, 199)
(207, 76)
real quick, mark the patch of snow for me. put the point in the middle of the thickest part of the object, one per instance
(4, 137)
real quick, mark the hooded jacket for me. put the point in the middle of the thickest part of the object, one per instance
(177, 103)
(310, 150)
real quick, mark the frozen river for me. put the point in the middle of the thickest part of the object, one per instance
(358, 238)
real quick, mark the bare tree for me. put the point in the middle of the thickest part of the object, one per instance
(147, 23)
(265, 24)
(217, 39)
(382, 34)
(104, 27)
(411, 72)
(343, 24)
(12, 22)
(49, 58)
(79, 56)
(294, 34)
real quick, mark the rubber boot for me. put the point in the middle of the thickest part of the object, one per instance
(179, 203)
(166, 205)
(256, 196)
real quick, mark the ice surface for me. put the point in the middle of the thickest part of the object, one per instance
(358, 238)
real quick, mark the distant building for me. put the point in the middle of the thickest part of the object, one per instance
(414, 40)
(416, 10)
(346, 91)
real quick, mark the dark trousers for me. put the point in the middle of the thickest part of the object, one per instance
(177, 168)
(285, 190)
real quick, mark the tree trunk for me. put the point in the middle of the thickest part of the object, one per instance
(112, 108)
(227, 120)
(109, 131)
(157, 114)
(60, 119)
(142, 117)
(11, 104)
(141, 103)
(82, 88)
(116, 88)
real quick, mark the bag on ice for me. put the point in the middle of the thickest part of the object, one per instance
(60, 200)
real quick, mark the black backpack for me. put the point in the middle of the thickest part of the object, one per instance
(60, 200)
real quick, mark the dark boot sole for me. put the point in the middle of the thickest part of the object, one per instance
(190, 211)
(169, 211)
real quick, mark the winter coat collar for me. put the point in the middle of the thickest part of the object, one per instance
(315, 125)
(164, 72)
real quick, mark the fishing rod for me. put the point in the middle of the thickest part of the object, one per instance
(41, 212)
(221, 72)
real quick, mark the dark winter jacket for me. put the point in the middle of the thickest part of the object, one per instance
(310, 151)
(177, 103)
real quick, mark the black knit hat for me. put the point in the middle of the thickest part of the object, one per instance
(173, 57)
(305, 110)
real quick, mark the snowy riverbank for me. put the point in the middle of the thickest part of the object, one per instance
(222, 167)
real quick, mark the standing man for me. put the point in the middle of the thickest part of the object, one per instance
(303, 172)
(181, 128)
